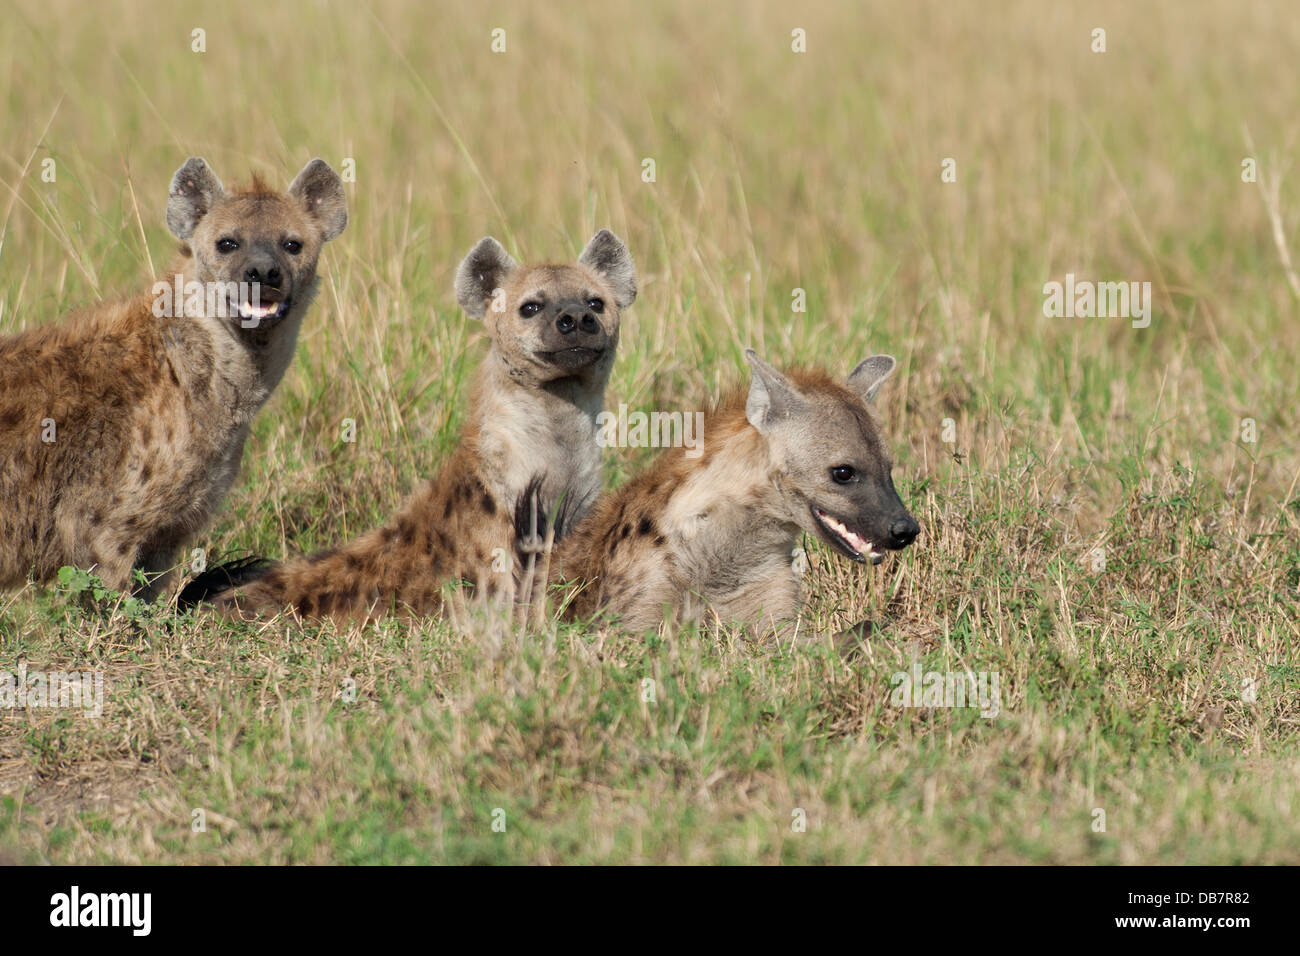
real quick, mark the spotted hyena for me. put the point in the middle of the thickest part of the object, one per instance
(715, 535)
(122, 426)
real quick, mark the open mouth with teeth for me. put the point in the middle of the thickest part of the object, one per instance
(264, 313)
(570, 359)
(849, 542)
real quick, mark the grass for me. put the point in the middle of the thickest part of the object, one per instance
(1156, 680)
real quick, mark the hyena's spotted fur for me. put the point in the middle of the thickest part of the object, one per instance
(554, 331)
(121, 431)
(715, 536)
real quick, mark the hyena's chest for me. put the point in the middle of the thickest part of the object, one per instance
(552, 444)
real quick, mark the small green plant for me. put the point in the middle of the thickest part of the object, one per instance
(82, 587)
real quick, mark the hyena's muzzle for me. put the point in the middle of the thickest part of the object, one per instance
(572, 336)
(879, 523)
(266, 288)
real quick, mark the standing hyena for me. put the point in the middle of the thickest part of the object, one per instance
(554, 332)
(716, 535)
(122, 427)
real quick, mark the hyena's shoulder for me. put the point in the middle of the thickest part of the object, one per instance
(100, 363)
(635, 550)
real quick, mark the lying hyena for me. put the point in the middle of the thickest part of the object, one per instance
(554, 331)
(716, 535)
(122, 428)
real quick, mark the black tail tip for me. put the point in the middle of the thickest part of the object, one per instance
(536, 515)
(221, 578)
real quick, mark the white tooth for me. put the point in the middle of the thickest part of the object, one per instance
(856, 542)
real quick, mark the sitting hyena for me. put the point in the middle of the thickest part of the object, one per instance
(122, 428)
(716, 535)
(554, 331)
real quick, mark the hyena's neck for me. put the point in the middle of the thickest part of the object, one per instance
(723, 509)
(237, 368)
(546, 432)
(712, 518)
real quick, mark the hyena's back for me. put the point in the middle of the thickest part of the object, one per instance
(448, 531)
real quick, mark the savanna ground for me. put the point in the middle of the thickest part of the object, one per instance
(1096, 530)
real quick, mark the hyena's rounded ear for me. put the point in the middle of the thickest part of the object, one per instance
(194, 189)
(607, 256)
(771, 396)
(870, 374)
(481, 273)
(320, 190)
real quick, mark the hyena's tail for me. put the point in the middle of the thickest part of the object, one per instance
(220, 578)
(540, 523)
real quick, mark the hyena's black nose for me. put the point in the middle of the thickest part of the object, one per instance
(569, 321)
(902, 532)
(270, 277)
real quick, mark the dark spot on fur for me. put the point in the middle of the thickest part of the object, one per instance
(659, 541)
(406, 529)
(446, 511)
(645, 527)
(146, 471)
(624, 531)
(489, 505)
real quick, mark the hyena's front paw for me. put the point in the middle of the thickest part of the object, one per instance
(851, 641)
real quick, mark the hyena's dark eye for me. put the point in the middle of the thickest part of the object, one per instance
(843, 474)
(227, 245)
(596, 305)
(530, 309)
(292, 246)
